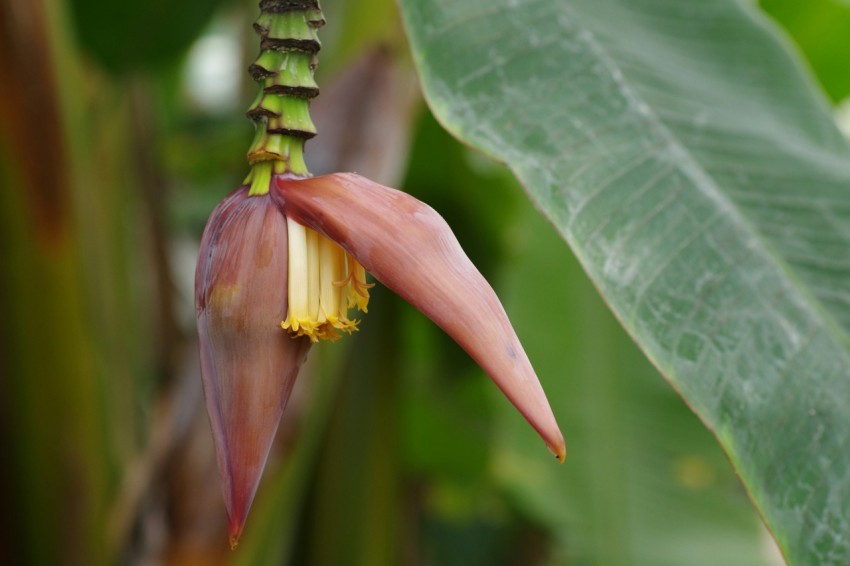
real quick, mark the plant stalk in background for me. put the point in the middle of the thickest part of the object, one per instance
(283, 259)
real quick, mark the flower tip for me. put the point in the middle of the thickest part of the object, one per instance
(536, 411)
(559, 450)
(234, 532)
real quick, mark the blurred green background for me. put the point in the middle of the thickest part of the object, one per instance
(121, 126)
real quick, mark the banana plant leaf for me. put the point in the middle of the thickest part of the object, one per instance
(683, 152)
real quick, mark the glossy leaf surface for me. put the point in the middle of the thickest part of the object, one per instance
(701, 180)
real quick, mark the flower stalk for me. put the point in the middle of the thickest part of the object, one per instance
(289, 45)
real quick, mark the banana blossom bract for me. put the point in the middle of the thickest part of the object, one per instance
(249, 362)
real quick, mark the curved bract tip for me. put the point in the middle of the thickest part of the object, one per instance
(409, 248)
(559, 451)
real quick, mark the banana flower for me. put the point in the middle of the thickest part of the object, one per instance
(284, 258)
(244, 299)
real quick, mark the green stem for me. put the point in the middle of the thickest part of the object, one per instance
(281, 112)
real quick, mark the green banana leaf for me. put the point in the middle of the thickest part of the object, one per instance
(698, 175)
